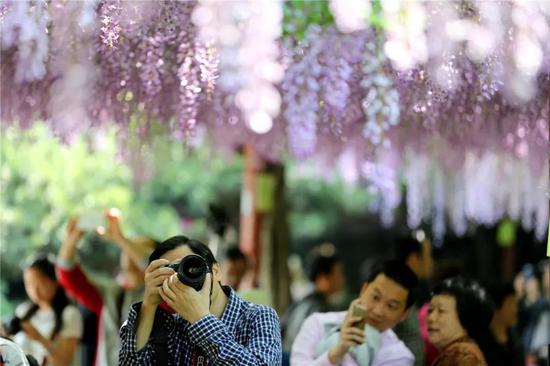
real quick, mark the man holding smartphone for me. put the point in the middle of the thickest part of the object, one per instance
(338, 338)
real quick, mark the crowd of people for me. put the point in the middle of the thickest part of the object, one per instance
(174, 303)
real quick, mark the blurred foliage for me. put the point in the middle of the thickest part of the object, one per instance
(318, 206)
(44, 181)
(6, 307)
(298, 15)
(376, 17)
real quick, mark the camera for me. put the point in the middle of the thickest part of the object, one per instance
(12, 325)
(192, 270)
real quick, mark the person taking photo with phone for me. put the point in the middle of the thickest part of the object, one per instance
(109, 300)
(362, 335)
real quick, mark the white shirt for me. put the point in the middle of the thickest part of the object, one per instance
(44, 322)
(392, 351)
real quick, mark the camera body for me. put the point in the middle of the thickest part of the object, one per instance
(192, 271)
(12, 325)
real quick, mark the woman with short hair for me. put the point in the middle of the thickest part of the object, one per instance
(460, 312)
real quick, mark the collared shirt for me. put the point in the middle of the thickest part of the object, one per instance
(298, 312)
(391, 352)
(246, 334)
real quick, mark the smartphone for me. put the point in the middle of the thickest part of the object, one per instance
(90, 221)
(360, 310)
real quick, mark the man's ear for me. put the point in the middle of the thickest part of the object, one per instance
(216, 272)
(405, 314)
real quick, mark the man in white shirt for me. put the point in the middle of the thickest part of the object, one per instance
(335, 339)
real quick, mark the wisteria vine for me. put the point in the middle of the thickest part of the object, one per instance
(461, 107)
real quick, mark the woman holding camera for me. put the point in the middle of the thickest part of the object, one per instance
(49, 328)
(460, 312)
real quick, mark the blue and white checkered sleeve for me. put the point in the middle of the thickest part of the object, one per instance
(262, 348)
(128, 354)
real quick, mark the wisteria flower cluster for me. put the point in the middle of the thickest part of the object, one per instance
(381, 104)
(25, 25)
(300, 93)
(351, 15)
(470, 194)
(449, 98)
(511, 33)
(246, 34)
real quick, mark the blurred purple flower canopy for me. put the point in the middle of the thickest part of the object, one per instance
(448, 98)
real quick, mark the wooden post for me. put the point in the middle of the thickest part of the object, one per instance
(264, 227)
(251, 218)
(274, 271)
(508, 263)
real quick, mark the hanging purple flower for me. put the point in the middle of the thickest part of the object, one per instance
(110, 29)
(381, 103)
(300, 92)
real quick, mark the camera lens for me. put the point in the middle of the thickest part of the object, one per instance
(192, 271)
(194, 266)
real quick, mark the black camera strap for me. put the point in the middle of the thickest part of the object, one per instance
(159, 339)
(211, 289)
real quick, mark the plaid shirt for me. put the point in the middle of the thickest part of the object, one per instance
(247, 334)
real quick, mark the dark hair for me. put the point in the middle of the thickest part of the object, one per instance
(235, 254)
(168, 245)
(399, 272)
(473, 304)
(322, 265)
(499, 292)
(174, 242)
(405, 246)
(46, 266)
(155, 242)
